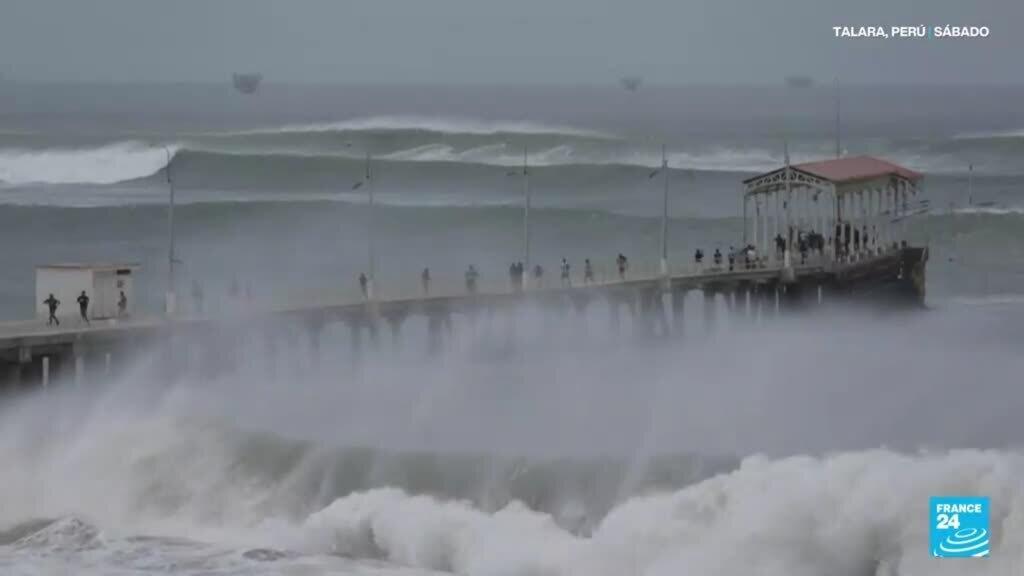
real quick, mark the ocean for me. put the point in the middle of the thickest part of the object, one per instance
(531, 445)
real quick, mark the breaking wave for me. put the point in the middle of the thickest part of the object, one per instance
(298, 150)
(438, 125)
(990, 210)
(501, 154)
(143, 459)
(992, 134)
(850, 515)
(107, 164)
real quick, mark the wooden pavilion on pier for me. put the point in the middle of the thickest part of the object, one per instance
(859, 205)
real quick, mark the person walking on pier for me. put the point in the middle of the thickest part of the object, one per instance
(566, 282)
(538, 275)
(363, 283)
(52, 303)
(471, 277)
(698, 257)
(122, 304)
(83, 306)
(718, 257)
(622, 263)
(732, 258)
(425, 281)
(588, 272)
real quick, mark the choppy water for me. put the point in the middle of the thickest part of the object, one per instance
(550, 449)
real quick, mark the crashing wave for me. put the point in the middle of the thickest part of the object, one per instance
(430, 124)
(109, 164)
(849, 515)
(68, 534)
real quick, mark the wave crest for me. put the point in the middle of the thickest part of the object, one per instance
(452, 125)
(109, 164)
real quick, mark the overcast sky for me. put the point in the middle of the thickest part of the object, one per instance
(512, 41)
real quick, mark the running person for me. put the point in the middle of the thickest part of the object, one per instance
(83, 306)
(52, 303)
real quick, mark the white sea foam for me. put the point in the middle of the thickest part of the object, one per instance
(990, 210)
(849, 515)
(443, 125)
(992, 134)
(137, 466)
(500, 154)
(107, 164)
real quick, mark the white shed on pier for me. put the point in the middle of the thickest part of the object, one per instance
(103, 283)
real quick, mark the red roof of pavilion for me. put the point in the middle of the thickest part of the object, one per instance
(855, 168)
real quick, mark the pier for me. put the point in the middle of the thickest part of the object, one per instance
(815, 233)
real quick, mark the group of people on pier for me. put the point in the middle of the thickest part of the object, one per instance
(52, 304)
(516, 274)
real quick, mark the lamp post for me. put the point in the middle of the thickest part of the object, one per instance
(371, 258)
(170, 299)
(526, 217)
(664, 209)
(525, 173)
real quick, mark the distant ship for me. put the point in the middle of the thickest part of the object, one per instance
(247, 83)
(799, 81)
(631, 83)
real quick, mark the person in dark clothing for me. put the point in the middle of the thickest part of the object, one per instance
(718, 257)
(565, 273)
(698, 256)
(52, 303)
(364, 284)
(732, 258)
(471, 276)
(588, 272)
(83, 306)
(621, 262)
(538, 274)
(122, 304)
(425, 281)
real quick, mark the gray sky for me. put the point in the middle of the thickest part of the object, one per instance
(487, 41)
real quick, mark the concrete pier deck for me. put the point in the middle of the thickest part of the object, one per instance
(896, 275)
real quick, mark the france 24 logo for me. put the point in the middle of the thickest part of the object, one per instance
(959, 526)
